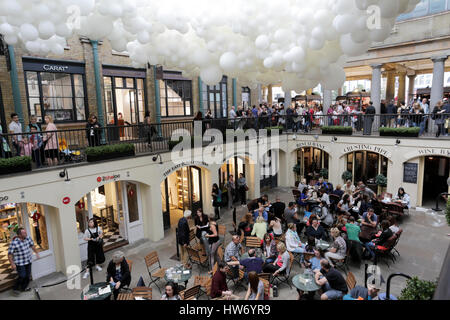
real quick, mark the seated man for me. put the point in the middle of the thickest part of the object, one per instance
(232, 255)
(302, 185)
(252, 263)
(315, 230)
(338, 191)
(368, 225)
(361, 293)
(322, 184)
(278, 208)
(331, 281)
(219, 286)
(118, 273)
(381, 240)
(261, 211)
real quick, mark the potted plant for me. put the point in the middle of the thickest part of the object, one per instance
(400, 132)
(337, 130)
(15, 165)
(324, 173)
(347, 175)
(381, 182)
(94, 154)
(417, 289)
(279, 128)
(296, 169)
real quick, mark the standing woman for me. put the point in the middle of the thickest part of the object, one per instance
(93, 131)
(51, 142)
(94, 235)
(242, 189)
(231, 187)
(217, 200)
(213, 240)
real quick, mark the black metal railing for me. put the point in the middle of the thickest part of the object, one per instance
(50, 148)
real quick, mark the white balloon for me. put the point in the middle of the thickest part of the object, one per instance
(29, 32)
(46, 30)
(211, 75)
(262, 42)
(228, 61)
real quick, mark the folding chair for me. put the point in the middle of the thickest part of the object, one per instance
(142, 292)
(195, 257)
(351, 281)
(125, 296)
(283, 277)
(157, 272)
(191, 293)
(266, 289)
(265, 276)
(236, 281)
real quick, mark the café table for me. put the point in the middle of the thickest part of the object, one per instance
(91, 292)
(178, 274)
(322, 245)
(305, 283)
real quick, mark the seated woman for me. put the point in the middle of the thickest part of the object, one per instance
(403, 198)
(315, 230)
(118, 273)
(259, 228)
(293, 242)
(302, 200)
(269, 247)
(368, 225)
(255, 287)
(246, 226)
(310, 245)
(201, 221)
(281, 263)
(275, 226)
(171, 292)
(344, 205)
(325, 216)
(314, 262)
(338, 249)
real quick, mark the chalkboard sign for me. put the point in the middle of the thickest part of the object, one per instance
(410, 172)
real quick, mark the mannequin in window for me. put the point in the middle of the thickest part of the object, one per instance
(35, 215)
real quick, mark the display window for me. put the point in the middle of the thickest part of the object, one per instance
(310, 162)
(365, 166)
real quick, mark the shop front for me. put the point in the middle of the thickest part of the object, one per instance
(180, 191)
(311, 164)
(117, 208)
(57, 89)
(233, 167)
(365, 166)
(38, 224)
(125, 101)
(436, 173)
(269, 171)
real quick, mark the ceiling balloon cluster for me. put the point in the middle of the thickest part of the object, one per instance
(299, 43)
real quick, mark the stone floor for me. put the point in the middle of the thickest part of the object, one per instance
(423, 247)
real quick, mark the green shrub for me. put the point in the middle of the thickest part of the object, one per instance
(381, 180)
(417, 289)
(324, 173)
(110, 149)
(400, 131)
(16, 162)
(296, 169)
(447, 212)
(347, 175)
(337, 129)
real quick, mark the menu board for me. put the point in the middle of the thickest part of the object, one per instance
(410, 172)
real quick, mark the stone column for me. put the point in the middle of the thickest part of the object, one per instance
(15, 86)
(327, 100)
(340, 91)
(375, 89)
(287, 99)
(401, 87)
(269, 95)
(390, 86)
(411, 80)
(260, 94)
(437, 89)
(98, 85)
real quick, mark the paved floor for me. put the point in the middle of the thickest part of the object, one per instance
(423, 246)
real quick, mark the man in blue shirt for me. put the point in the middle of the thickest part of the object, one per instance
(361, 293)
(252, 263)
(261, 211)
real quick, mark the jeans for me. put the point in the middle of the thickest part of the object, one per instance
(369, 246)
(24, 273)
(331, 293)
(330, 255)
(300, 250)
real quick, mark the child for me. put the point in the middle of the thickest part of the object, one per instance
(26, 148)
(36, 140)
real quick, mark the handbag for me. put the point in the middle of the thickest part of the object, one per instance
(246, 188)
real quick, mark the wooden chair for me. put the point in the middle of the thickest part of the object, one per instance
(222, 231)
(266, 289)
(195, 257)
(191, 293)
(265, 276)
(130, 264)
(155, 271)
(142, 292)
(252, 242)
(308, 256)
(125, 296)
(351, 281)
(283, 277)
(236, 281)
(220, 253)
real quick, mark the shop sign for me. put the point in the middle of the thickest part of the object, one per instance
(184, 164)
(48, 67)
(368, 147)
(108, 178)
(4, 198)
(311, 144)
(66, 200)
(432, 151)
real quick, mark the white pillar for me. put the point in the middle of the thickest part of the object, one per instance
(68, 238)
(411, 80)
(437, 89)
(375, 91)
(327, 100)
(287, 99)
(153, 221)
(260, 94)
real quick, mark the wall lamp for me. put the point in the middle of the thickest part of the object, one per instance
(334, 139)
(63, 174)
(397, 142)
(155, 158)
(316, 136)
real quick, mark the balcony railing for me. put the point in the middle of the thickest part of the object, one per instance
(69, 146)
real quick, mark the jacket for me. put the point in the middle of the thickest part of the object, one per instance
(259, 229)
(183, 231)
(218, 284)
(125, 270)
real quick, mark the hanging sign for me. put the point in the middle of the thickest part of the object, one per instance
(66, 200)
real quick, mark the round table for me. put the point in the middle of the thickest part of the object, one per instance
(305, 283)
(322, 245)
(178, 274)
(93, 290)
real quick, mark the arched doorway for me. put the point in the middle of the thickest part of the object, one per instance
(269, 170)
(117, 208)
(436, 173)
(311, 163)
(180, 191)
(37, 221)
(365, 166)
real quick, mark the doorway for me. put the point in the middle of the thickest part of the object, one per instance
(181, 191)
(365, 167)
(436, 173)
(234, 166)
(310, 162)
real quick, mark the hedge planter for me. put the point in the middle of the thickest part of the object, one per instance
(15, 165)
(399, 132)
(337, 130)
(269, 130)
(94, 154)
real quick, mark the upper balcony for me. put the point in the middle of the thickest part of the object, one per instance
(70, 147)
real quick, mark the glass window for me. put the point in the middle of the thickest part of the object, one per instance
(38, 226)
(437, 6)
(130, 82)
(133, 209)
(176, 98)
(118, 82)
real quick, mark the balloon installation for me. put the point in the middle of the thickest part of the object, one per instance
(299, 43)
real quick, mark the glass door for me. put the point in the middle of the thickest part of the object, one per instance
(195, 188)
